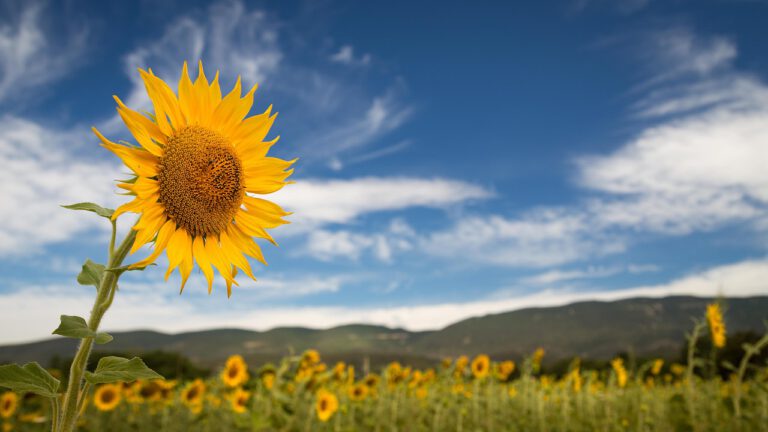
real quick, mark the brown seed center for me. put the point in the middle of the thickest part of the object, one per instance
(201, 181)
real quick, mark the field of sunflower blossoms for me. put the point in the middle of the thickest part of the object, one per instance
(302, 393)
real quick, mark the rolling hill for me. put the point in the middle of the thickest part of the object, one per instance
(598, 330)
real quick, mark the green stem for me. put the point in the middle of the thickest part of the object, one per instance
(103, 301)
(54, 413)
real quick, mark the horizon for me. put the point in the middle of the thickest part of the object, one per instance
(480, 161)
(384, 326)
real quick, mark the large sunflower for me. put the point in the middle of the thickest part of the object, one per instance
(199, 164)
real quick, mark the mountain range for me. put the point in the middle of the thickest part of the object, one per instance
(591, 329)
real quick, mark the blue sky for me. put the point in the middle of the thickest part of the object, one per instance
(456, 159)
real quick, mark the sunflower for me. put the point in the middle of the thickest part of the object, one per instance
(199, 163)
(268, 379)
(239, 400)
(372, 381)
(9, 401)
(716, 325)
(657, 365)
(326, 404)
(358, 392)
(480, 366)
(108, 397)
(504, 370)
(621, 372)
(193, 395)
(235, 371)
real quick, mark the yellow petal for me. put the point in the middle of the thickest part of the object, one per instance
(188, 100)
(163, 99)
(198, 249)
(187, 262)
(233, 254)
(263, 213)
(160, 243)
(203, 94)
(175, 251)
(149, 126)
(142, 162)
(217, 259)
(253, 129)
(246, 244)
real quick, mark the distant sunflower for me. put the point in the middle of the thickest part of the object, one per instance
(268, 379)
(9, 401)
(481, 365)
(326, 404)
(504, 370)
(199, 163)
(107, 397)
(358, 392)
(716, 324)
(193, 394)
(239, 400)
(235, 371)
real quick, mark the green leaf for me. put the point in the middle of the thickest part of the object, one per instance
(118, 369)
(74, 327)
(87, 206)
(103, 338)
(28, 378)
(120, 270)
(91, 274)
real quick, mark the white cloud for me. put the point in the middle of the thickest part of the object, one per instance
(538, 239)
(318, 201)
(31, 55)
(38, 307)
(40, 173)
(554, 276)
(698, 166)
(346, 55)
(329, 245)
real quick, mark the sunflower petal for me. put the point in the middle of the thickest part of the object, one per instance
(188, 101)
(142, 162)
(160, 243)
(203, 261)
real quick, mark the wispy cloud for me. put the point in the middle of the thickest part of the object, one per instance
(331, 115)
(698, 166)
(31, 54)
(320, 201)
(346, 55)
(39, 173)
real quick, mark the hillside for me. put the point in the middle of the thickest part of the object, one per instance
(587, 329)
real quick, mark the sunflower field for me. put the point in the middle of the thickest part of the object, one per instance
(302, 393)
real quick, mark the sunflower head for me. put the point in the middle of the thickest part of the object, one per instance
(239, 400)
(199, 170)
(716, 324)
(358, 392)
(235, 371)
(107, 397)
(326, 405)
(505, 369)
(480, 366)
(193, 395)
(9, 401)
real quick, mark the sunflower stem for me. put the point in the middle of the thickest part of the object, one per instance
(103, 301)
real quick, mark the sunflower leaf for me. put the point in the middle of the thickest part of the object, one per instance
(103, 338)
(91, 274)
(74, 327)
(30, 378)
(87, 206)
(120, 270)
(119, 369)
